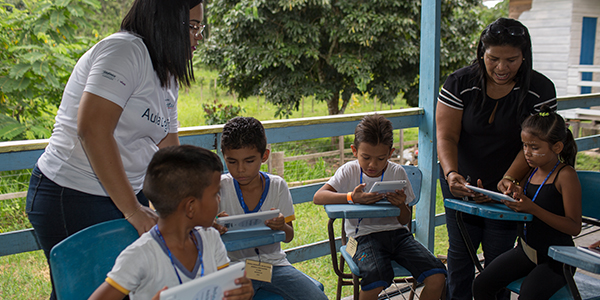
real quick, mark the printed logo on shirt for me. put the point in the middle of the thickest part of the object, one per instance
(155, 118)
(111, 76)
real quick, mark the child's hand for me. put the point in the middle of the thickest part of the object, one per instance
(397, 199)
(222, 229)
(360, 197)
(242, 293)
(157, 296)
(277, 223)
(594, 245)
(523, 203)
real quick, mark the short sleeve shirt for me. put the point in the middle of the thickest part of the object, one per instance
(120, 70)
(144, 267)
(486, 150)
(278, 196)
(348, 176)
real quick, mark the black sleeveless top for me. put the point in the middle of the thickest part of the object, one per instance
(540, 235)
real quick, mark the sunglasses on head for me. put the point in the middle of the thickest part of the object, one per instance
(512, 30)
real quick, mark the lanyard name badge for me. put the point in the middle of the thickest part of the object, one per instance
(352, 243)
(257, 270)
(530, 252)
(198, 247)
(238, 192)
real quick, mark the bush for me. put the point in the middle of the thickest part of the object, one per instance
(219, 114)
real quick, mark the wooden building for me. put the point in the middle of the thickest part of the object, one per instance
(564, 35)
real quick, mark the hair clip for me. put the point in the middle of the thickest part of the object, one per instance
(544, 114)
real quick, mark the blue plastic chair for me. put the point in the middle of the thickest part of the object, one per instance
(80, 262)
(366, 211)
(590, 207)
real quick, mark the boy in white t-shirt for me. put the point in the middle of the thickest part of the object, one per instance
(183, 184)
(246, 190)
(380, 240)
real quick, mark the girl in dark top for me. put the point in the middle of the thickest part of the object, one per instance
(552, 194)
(479, 112)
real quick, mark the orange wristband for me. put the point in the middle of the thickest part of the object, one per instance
(349, 198)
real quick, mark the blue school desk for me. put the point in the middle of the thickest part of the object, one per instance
(572, 256)
(250, 238)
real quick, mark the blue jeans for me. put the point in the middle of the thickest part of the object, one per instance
(57, 212)
(495, 238)
(290, 284)
(376, 251)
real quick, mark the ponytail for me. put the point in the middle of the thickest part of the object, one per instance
(569, 151)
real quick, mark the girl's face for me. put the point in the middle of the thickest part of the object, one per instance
(502, 63)
(196, 16)
(538, 153)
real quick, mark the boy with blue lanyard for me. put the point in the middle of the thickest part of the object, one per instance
(245, 189)
(183, 184)
(380, 240)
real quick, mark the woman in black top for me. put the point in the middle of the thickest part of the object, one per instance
(479, 112)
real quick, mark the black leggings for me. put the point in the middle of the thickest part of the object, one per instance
(541, 282)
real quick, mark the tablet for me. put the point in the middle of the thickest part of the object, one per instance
(383, 187)
(246, 221)
(211, 286)
(595, 252)
(494, 195)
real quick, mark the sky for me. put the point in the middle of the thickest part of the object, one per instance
(491, 3)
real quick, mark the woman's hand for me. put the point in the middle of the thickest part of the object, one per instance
(481, 198)
(143, 219)
(242, 293)
(457, 183)
(507, 186)
(360, 197)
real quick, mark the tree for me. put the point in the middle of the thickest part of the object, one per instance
(329, 49)
(40, 45)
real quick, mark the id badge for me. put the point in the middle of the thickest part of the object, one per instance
(529, 251)
(351, 246)
(260, 271)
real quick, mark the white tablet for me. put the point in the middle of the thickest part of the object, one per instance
(383, 187)
(595, 252)
(246, 221)
(211, 286)
(494, 195)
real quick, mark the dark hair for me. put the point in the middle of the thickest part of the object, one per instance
(374, 129)
(241, 132)
(164, 28)
(550, 127)
(178, 172)
(502, 33)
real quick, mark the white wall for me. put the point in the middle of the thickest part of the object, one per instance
(549, 24)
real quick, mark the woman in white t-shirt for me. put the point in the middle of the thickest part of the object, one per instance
(118, 108)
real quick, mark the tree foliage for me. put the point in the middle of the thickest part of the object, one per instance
(40, 45)
(329, 49)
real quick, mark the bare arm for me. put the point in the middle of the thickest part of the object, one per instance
(568, 185)
(106, 292)
(449, 124)
(97, 119)
(172, 139)
(517, 170)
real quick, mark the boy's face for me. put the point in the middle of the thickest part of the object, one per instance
(372, 159)
(244, 163)
(208, 206)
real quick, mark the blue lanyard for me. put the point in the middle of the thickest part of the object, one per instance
(238, 191)
(540, 187)
(361, 181)
(171, 255)
(536, 193)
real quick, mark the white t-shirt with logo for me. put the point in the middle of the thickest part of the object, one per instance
(120, 70)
